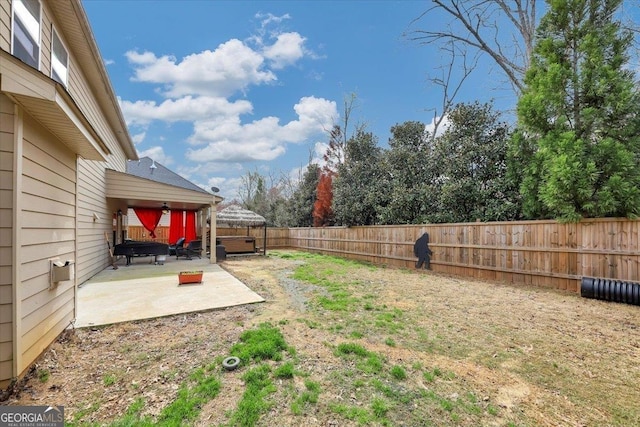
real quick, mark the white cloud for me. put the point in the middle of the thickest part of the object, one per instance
(228, 187)
(429, 128)
(314, 113)
(187, 108)
(232, 67)
(208, 168)
(216, 181)
(319, 150)
(197, 89)
(201, 175)
(288, 48)
(263, 139)
(157, 153)
(229, 151)
(315, 75)
(138, 138)
(296, 174)
(269, 18)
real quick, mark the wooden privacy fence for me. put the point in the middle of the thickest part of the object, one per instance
(540, 253)
(276, 237)
(140, 234)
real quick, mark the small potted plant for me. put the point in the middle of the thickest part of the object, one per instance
(185, 277)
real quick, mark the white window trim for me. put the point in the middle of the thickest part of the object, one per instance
(54, 60)
(29, 24)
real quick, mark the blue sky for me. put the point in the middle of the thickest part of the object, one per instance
(215, 89)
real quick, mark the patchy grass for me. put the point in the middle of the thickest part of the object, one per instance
(264, 343)
(202, 386)
(43, 375)
(253, 402)
(284, 371)
(109, 380)
(373, 347)
(308, 397)
(398, 372)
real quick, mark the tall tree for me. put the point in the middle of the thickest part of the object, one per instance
(267, 195)
(358, 186)
(304, 197)
(322, 212)
(408, 170)
(334, 158)
(471, 162)
(502, 29)
(253, 192)
(279, 197)
(580, 116)
(339, 136)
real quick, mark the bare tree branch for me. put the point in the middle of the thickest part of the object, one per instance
(449, 88)
(629, 24)
(339, 136)
(479, 21)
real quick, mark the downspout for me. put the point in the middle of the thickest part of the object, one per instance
(16, 256)
(75, 249)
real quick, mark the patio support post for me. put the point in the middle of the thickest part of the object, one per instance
(212, 233)
(264, 250)
(203, 231)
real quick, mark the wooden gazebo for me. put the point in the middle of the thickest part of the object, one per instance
(236, 216)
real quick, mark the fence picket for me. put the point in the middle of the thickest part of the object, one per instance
(543, 253)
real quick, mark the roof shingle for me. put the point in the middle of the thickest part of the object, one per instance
(149, 169)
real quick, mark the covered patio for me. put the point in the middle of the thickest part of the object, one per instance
(150, 186)
(146, 290)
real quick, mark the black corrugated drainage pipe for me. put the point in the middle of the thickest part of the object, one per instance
(610, 290)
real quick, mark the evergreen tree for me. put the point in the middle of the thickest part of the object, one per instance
(277, 214)
(579, 116)
(408, 174)
(470, 159)
(356, 187)
(304, 197)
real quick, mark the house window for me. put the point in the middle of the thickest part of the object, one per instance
(59, 60)
(26, 31)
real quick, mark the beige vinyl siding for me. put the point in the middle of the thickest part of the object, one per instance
(80, 90)
(47, 232)
(6, 237)
(83, 93)
(45, 41)
(92, 248)
(48, 195)
(92, 255)
(85, 98)
(5, 25)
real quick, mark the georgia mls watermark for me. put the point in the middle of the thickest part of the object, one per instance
(31, 416)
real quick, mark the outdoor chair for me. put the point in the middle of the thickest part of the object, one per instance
(193, 248)
(173, 249)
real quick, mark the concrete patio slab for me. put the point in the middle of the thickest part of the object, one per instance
(144, 291)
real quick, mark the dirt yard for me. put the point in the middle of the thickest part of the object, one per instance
(476, 353)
